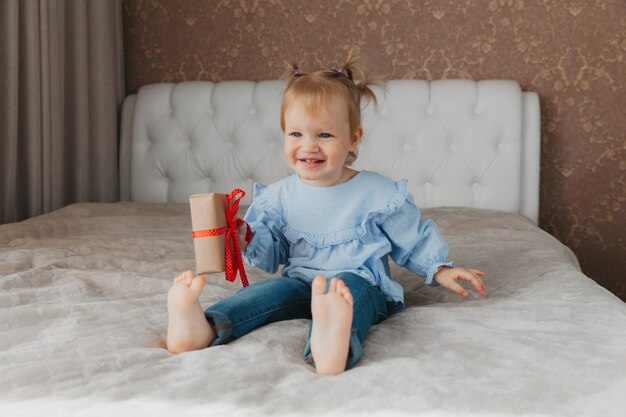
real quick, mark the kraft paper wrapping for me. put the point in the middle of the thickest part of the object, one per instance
(208, 211)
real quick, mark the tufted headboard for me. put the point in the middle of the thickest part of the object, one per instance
(458, 142)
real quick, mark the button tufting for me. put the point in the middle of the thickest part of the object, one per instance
(448, 127)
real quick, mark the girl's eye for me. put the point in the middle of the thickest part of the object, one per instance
(325, 135)
(295, 134)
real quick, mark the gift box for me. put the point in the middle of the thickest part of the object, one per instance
(214, 224)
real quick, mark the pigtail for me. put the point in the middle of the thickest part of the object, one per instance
(348, 72)
(352, 69)
(292, 71)
(351, 66)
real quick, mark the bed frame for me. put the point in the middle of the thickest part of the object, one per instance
(460, 143)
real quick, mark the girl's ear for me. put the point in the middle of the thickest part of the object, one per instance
(358, 135)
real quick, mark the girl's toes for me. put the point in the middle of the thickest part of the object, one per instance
(319, 285)
(198, 284)
(333, 285)
(188, 277)
(347, 295)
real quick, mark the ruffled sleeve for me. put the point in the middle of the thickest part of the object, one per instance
(268, 248)
(416, 244)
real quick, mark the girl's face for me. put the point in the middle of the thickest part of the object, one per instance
(317, 145)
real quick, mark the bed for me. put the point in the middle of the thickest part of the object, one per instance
(83, 289)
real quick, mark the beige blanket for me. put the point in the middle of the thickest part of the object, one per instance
(83, 322)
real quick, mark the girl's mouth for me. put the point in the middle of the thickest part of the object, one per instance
(311, 161)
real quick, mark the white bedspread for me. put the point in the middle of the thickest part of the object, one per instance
(83, 323)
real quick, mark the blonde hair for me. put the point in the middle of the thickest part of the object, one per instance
(318, 88)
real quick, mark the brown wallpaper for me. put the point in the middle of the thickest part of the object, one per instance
(571, 52)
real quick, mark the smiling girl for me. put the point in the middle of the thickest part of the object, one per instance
(325, 221)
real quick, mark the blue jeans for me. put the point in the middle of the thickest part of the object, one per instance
(285, 298)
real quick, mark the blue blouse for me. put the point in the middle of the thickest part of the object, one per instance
(350, 227)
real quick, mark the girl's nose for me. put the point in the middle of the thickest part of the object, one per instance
(310, 144)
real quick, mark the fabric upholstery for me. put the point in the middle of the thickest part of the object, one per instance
(458, 142)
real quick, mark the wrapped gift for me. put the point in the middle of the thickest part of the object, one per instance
(214, 223)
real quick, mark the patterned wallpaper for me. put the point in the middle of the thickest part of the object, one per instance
(571, 52)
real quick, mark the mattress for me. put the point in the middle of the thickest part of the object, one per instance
(83, 324)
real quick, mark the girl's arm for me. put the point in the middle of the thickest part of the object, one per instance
(416, 244)
(419, 246)
(268, 248)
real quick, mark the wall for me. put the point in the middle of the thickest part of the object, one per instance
(572, 52)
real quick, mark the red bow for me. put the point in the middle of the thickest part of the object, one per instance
(234, 261)
(232, 240)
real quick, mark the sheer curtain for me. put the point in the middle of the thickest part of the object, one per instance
(61, 84)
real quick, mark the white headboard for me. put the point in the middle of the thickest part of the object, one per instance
(458, 142)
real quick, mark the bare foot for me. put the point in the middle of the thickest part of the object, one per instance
(332, 324)
(187, 327)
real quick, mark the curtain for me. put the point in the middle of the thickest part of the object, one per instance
(61, 85)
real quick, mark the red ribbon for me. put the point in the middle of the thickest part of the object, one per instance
(234, 261)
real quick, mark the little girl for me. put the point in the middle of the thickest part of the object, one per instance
(326, 220)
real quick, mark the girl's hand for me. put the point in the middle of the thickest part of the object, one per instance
(448, 277)
(241, 233)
